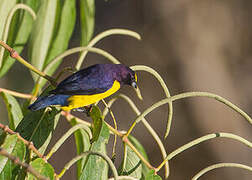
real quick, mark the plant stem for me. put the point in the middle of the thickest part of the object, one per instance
(17, 94)
(65, 136)
(104, 156)
(202, 139)
(165, 88)
(146, 124)
(126, 140)
(14, 54)
(17, 161)
(103, 35)
(114, 120)
(220, 165)
(27, 143)
(8, 22)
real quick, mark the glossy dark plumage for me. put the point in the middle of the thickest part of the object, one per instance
(92, 80)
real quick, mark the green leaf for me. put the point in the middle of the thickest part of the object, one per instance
(42, 168)
(131, 164)
(14, 111)
(152, 176)
(141, 149)
(82, 142)
(87, 20)
(21, 36)
(97, 122)
(62, 35)
(37, 126)
(15, 147)
(95, 167)
(5, 7)
(42, 33)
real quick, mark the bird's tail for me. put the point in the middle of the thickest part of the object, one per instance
(52, 99)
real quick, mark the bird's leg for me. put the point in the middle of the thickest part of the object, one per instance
(88, 109)
(85, 109)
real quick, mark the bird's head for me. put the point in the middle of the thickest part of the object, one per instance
(127, 76)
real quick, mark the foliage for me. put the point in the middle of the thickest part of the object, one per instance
(49, 24)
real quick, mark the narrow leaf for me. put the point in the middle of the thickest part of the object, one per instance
(87, 17)
(42, 168)
(20, 38)
(141, 149)
(37, 126)
(5, 7)
(82, 142)
(96, 168)
(42, 33)
(152, 176)
(62, 35)
(16, 148)
(14, 111)
(131, 165)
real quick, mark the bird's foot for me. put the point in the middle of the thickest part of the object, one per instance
(85, 109)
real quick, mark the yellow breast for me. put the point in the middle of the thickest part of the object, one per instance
(77, 101)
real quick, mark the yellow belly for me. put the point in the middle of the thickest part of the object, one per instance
(77, 101)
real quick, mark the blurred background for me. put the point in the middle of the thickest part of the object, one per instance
(195, 45)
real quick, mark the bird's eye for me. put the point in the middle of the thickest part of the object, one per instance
(133, 84)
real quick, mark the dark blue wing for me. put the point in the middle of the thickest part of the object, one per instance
(92, 80)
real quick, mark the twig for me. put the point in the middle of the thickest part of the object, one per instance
(166, 91)
(187, 95)
(14, 54)
(124, 138)
(65, 136)
(220, 165)
(17, 94)
(8, 22)
(17, 161)
(146, 124)
(202, 139)
(103, 35)
(27, 143)
(104, 156)
(113, 117)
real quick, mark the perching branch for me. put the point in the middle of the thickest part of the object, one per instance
(14, 54)
(27, 143)
(17, 161)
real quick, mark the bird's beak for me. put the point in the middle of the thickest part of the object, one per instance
(137, 90)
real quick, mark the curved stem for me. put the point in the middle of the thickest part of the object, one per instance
(103, 35)
(124, 178)
(75, 50)
(221, 165)
(165, 88)
(65, 136)
(193, 94)
(146, 124)
(202, 139)
(104, 156)
(8, 22)
(115, 124)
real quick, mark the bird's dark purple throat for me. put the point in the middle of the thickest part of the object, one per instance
(87, 86)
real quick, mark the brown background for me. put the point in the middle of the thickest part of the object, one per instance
(195, 45)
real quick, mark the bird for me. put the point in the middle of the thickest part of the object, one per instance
(87, 86)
